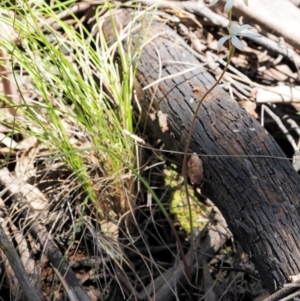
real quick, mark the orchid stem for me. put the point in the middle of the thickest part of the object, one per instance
(184, 167)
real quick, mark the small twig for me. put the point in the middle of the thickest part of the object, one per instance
(9, 85)
(17, 266)
(209, 283)
(286, 291)
(245, 271)
(40, 232)
(198, 8)
(294, 126)
(291, 122)
(126, 285)
(53, 22)
(25, 256)
(72, 296)
(281, 126)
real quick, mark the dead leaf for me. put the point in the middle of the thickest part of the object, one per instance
(250, 107)
(195, 170)
(25, 168)
(162, 121)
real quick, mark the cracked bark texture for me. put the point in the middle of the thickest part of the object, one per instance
(258, 196)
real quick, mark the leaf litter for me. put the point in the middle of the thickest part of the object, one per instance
(117, 250)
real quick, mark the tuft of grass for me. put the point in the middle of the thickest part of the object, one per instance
(82, 101)
(75, 101)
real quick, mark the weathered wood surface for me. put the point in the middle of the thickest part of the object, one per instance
(258, 196)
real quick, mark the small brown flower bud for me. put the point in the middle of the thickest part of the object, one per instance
(195, 170)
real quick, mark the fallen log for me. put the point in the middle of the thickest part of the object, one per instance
(244, 174)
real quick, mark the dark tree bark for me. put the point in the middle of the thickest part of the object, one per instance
(255, 190)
